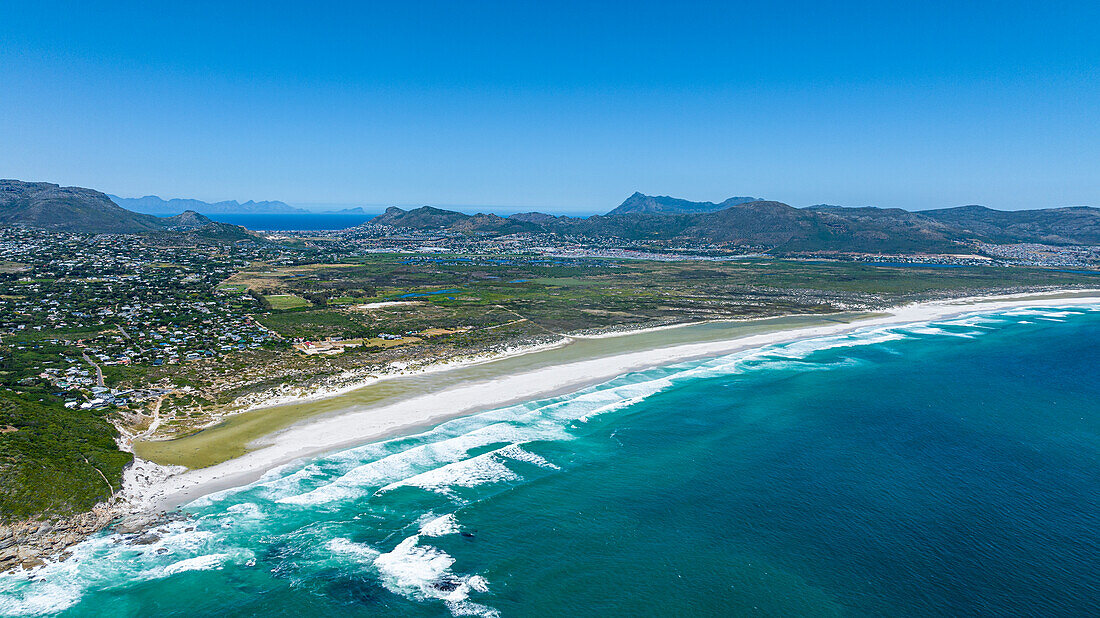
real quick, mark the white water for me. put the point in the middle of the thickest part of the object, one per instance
(308, 503)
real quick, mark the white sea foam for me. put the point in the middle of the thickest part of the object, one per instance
(355, 483)
(345, 546)
(108, 561)
(411, 567)
(481, 470)
(438, 526)
(921, 329)
(469, 608)
(422, 459)
(987, 322)
(47, 589)
(424, 572)
(198, 563)
(277, 480)
(246, 510)
(514, 451)
(43, 597)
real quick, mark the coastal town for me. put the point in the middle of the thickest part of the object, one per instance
(530, 309)
(147, 338)
(374, 238)
(123, 322)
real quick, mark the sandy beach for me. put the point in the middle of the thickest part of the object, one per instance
(349, 423)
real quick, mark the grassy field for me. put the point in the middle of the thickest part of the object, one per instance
(286, 301)
(480, 292)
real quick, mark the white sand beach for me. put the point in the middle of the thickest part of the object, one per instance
(361, 424)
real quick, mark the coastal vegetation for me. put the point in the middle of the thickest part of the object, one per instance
(151, 335)
(54, 461)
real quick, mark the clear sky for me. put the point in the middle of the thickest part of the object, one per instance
(557, 106)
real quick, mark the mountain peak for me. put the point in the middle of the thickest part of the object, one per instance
(188, 219)
(663, 204)
(72, 209)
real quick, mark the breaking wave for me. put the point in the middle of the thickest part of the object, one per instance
(348, 509)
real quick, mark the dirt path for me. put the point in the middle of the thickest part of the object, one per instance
(155, 423)
(101, 475)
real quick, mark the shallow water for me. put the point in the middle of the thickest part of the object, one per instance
(938, 468)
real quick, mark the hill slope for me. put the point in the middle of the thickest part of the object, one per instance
(430, 218)
(776, 226)
(782, 228)
(68, 209)
(44, 205)
(1073, 225)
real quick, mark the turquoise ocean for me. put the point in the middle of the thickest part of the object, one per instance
(941, 468)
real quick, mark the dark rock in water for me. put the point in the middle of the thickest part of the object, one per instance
(27, 543)
(136, 523)
(147, 539)
(449, 584)
(468, 535)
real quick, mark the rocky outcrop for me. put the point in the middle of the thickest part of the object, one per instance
(26, 544)
(131, 511)
(29, 544)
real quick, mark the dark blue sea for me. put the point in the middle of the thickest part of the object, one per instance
(935, 469)
(282, 223)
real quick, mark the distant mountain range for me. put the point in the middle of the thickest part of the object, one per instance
(736, 222)
(751, 222)
(48, 206)
(153, 205)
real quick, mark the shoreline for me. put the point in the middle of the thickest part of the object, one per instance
(353, 426)
(405, 371)
(460, 362)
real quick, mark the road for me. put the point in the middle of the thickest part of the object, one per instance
(98, 371)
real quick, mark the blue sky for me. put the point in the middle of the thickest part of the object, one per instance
(557, 106)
